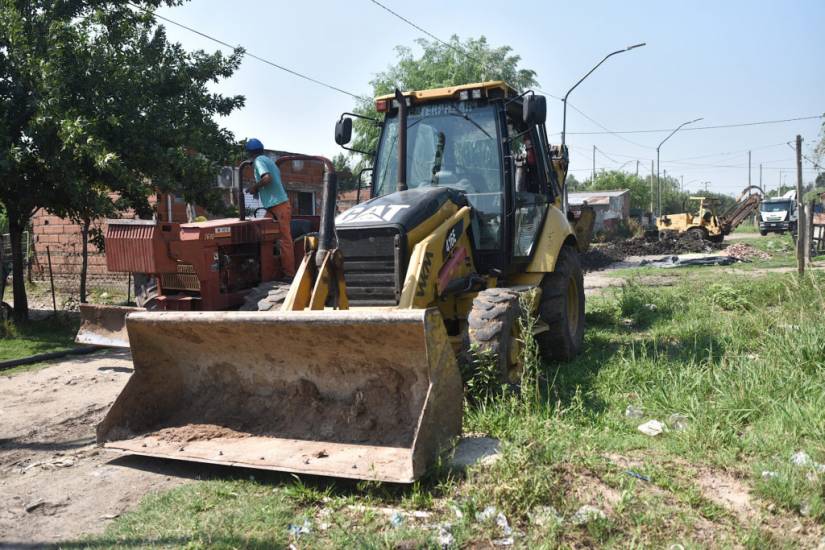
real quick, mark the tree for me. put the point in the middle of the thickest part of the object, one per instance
(438, 65)
(615, 180)
(97, 103)
(346, 179)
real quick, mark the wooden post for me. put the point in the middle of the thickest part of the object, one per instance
(801, 218)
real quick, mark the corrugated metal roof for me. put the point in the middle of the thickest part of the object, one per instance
(595, 198)
(585, 194)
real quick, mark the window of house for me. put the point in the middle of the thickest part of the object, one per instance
(306, 203)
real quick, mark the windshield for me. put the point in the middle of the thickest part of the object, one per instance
(449, 145)
(783, 206)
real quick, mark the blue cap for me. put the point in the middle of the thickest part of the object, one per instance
(254, 145)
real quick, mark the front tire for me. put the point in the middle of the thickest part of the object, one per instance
(493, 329)
(562, 309)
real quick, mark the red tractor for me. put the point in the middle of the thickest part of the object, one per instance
(208, 266)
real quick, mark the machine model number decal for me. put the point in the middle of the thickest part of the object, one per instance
(452, 237)
(425, 274)
(363, 214)
(220, 230)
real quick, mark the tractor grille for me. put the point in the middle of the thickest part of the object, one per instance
(184, 279)
(372, 265)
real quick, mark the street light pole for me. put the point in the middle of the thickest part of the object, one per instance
(658, 183)
(564, 114)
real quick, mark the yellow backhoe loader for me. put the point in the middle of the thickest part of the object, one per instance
(705, 223)
(353, 371)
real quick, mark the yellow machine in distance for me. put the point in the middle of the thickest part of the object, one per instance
(705, 223)
(353, 371)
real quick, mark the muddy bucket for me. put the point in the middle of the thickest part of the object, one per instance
(104, 325)
(365, 395)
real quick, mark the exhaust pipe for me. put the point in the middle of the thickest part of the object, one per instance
(241, 201)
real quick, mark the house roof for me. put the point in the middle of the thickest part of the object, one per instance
(595, 197)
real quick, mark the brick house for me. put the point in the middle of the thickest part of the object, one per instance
(303, 181)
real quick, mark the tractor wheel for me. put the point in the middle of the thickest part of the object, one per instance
(697, 233)
(493, 329)
(266, 296)
(146, 296)
(717, 238)
(765, 233)
(562, 308)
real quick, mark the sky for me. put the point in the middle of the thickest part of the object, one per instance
(728, 62)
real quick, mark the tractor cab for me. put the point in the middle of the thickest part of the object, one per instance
(484, 143)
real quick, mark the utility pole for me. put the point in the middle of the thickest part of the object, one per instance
(637, 168)
(682, 185)
(749, 170)
(594, 165)
(651, 189)
(800, 212)
(760, 177)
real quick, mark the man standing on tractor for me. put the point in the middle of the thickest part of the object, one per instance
(273, 197)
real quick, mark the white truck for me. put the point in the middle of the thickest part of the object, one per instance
(778, 214)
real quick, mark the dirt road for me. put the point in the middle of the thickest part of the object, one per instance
(55, 484)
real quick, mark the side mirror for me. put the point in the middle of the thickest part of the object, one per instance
(535, 109)
(343, 131)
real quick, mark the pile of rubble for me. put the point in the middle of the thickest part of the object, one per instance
(600, 256)
(746, 252)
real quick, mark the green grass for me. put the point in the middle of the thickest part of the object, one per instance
(54, 333)
(742, 358)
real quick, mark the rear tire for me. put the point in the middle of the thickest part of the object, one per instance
(268, 296)
(562, 309)
(698, 233)
(493, 329)
(147, 295)
(764, 233)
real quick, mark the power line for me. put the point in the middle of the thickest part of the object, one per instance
(815, 164)
(488, 67)
(249, 54)
(694, 128)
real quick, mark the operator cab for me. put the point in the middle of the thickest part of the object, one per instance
(482, 142)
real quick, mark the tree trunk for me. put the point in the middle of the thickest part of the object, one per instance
(84, 255)
(21, 302)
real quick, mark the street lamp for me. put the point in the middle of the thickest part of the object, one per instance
(658, 183)
(564, 115)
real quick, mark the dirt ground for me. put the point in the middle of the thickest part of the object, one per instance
(55, 484)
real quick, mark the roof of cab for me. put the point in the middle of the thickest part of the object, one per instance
(450, 91)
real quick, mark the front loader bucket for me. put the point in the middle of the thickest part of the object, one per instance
(366, 395)
(104, 325)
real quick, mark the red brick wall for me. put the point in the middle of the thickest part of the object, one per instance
(63, 240)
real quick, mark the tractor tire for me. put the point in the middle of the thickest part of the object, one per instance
(266, 296)
(492, 329)
(716, 238)
(765, 233)
(562, 309)
(146, 296)
(698, 233)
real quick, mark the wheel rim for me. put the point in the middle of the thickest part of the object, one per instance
(572, 305)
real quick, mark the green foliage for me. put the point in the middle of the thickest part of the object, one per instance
(615, 180)
(436, 66)
(727, 297)
(346, 178)
(97, 101)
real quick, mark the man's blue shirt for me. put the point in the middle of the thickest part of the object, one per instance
(274, 193)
